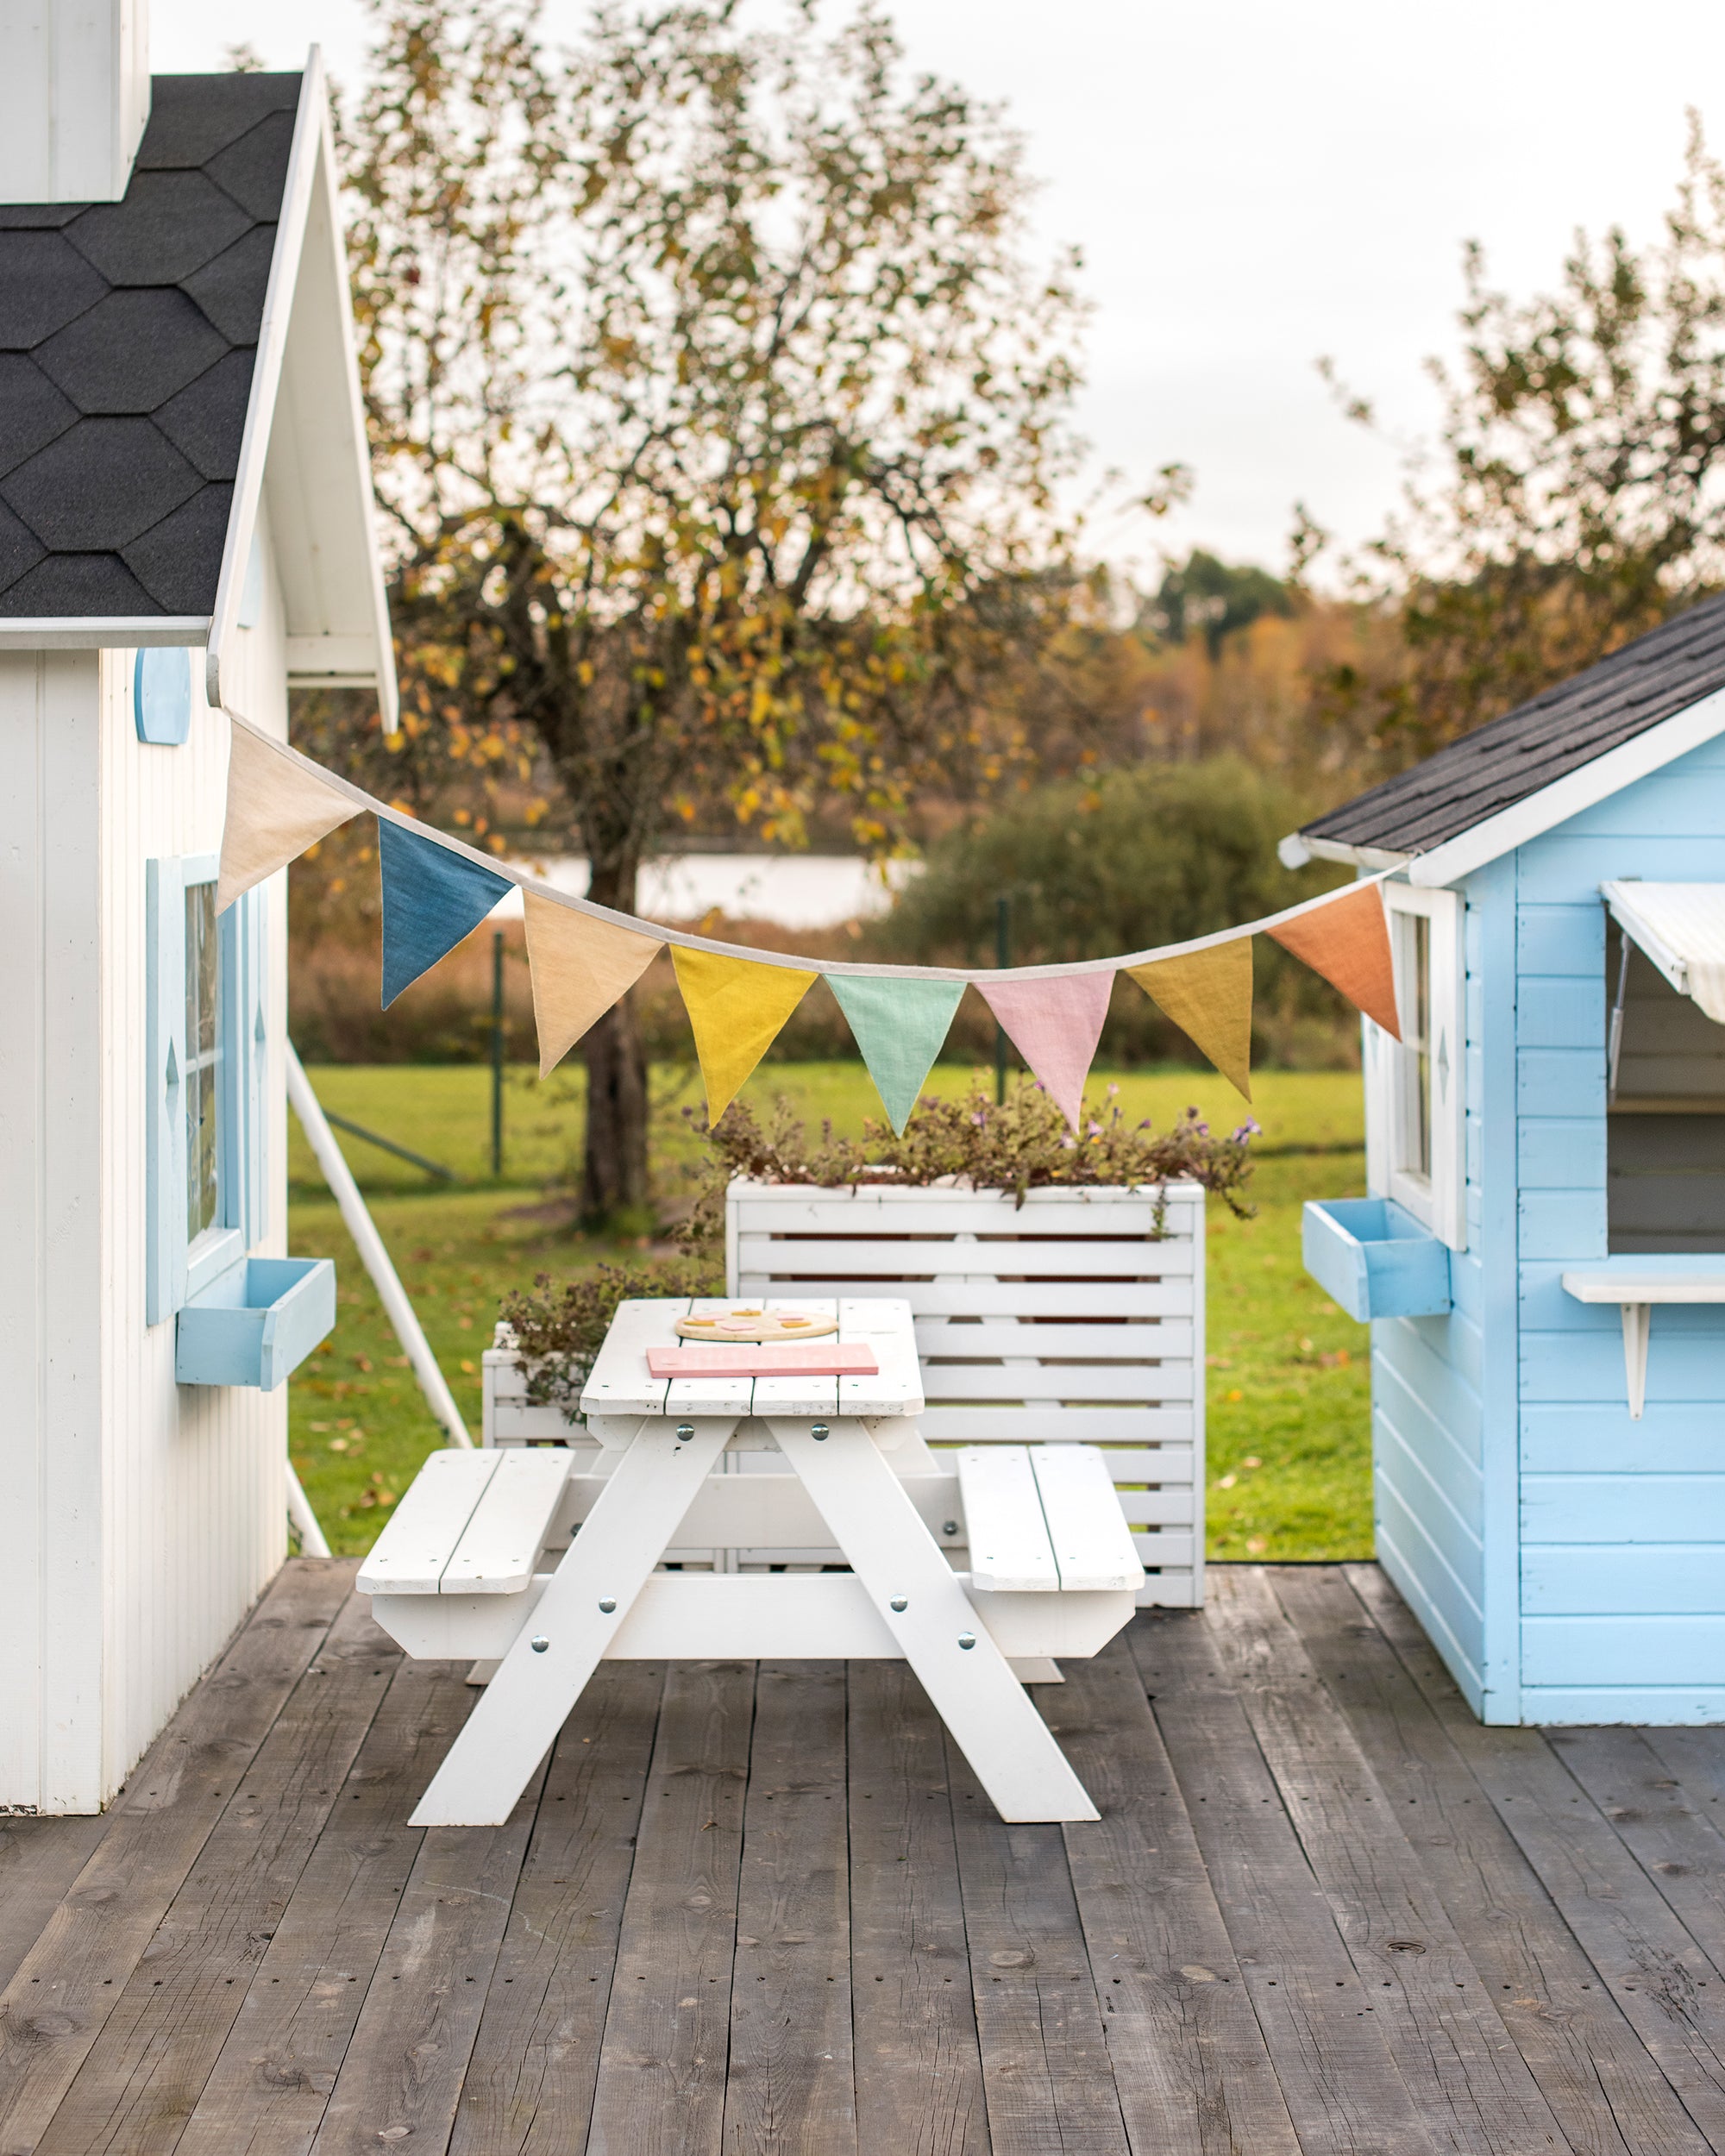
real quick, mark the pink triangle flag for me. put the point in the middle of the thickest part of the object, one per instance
(1054, 1023)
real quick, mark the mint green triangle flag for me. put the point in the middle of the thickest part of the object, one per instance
(900, 1027)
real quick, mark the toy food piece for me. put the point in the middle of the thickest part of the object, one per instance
(747, 1325)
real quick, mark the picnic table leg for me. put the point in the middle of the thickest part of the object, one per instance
(996, 1726)
(634, 1517)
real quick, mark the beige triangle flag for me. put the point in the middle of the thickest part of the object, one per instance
(277, 807)
(580, 965)
(1207, 994)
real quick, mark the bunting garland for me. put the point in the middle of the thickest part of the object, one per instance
(431, 899)
(1055, 1024)
(736, 1009)
(584, 957)
(579, 969)
(1207, 994)
(900, 1026)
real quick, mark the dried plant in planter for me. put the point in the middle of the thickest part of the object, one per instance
(968, 1143)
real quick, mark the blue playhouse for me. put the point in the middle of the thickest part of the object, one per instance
(1542, 1255)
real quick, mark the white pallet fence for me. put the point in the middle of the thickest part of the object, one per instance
(1076, 1316)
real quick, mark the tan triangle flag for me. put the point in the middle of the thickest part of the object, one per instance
(1207, 994)
(1348, 942)
(277, 807)
(580, 966)
(737, 1010)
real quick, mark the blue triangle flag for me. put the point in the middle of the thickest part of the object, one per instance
(431, 899)
(900, 1027)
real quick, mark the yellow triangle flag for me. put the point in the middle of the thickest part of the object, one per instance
(580, 966)
(277, 807)
(1207, 994)
(737, 1010)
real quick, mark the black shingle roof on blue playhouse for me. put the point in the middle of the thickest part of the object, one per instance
(128, 334)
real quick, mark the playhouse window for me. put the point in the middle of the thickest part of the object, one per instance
(1415, 1148)
(206, 1127)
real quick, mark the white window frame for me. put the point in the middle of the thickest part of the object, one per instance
(177, 1268)
(1438, 1201)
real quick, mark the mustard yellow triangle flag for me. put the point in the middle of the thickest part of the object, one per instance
(580, 966)
(1207, 994)
(737, 1010)
(277, 807)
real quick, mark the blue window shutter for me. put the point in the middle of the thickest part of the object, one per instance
(164, 1094)
(245, 1064)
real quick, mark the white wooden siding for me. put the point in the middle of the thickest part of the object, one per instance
(141, 1519)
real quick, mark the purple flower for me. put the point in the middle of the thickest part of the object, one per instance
(1247, 1130)
(1095, 1129)
(979, 1119)
(1113, 1090)
(1071, 1145)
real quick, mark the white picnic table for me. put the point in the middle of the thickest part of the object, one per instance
(1052, 1565)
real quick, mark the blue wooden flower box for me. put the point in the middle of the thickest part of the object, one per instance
(1375, 1259)
(255, 1323)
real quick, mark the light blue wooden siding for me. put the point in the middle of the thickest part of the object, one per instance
(1621, 1592)
(1444, 1509)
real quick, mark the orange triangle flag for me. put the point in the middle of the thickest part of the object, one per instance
(580, 966)
(1348, 942)
(737, 1010)
(1207, 994)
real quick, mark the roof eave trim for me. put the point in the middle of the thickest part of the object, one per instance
(1299, 848)
(102, 632)
(1571, 795)
(313, 150)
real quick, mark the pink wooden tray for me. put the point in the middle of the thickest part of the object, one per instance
(817, 1359)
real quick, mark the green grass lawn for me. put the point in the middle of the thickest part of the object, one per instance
(1288, 1384)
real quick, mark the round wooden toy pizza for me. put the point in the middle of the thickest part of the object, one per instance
(744, 1326)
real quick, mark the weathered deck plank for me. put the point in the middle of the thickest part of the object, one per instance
(402, 2075)
(1449, 2040)
(1189, 2059)
(536, 2059)
(1668, 1990)
(68, 1984)
(790, 2090)
(1323, 1913)
(918, 2063)
(1047, 2079)
(137, 2088)
(1331, 2049)
(662, 2063)
(266, 2094)
(1608, 2096)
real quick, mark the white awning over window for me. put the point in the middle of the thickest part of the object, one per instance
(1681, 927)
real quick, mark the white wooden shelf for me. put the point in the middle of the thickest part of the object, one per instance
(1635, 1289)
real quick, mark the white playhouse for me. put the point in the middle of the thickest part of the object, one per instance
(185, 530)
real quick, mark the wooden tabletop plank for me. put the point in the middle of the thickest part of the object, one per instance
(1606, 2093)
(1449, 2041)
(268, 2090)
(146, 2070)
(65, 1988)
(790, 2085)
(1667, 1990)
(1194, 2074)
(918, 2067)
(529, 2085)
(1048, 2079)
(1333, 2059)
(408, 2054)
(661, 2083)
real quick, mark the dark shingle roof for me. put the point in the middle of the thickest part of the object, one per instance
(128, 332)
(1509, 758)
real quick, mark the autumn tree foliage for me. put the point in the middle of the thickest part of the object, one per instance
(718, 411)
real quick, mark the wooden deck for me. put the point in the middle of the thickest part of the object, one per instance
(765, 1908)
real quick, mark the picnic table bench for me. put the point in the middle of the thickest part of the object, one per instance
(980, 1567)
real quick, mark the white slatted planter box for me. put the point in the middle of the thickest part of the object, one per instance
(1067, 1319)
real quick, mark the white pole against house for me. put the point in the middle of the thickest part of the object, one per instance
(312, 1540)
(369, 1243)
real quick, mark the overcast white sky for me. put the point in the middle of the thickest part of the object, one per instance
(1254, 184)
